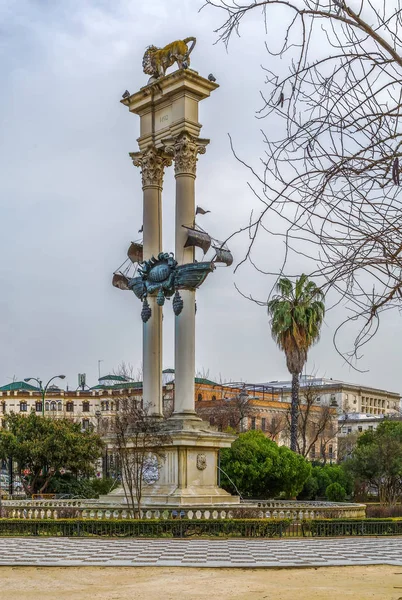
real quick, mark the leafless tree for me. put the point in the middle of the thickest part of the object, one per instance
(128, 371)
(331, 170)
(317, 423)
(346, 445)
(230, 410)
(276, 425)
(139, 440)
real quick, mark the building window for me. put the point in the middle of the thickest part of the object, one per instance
(330, 452)
(318, 399)
(360, 429)
(70, 407)
(3, 407)
(370, 428)
(105, 405)
(349, 430)
(38, 406)
(313, 451)
(60, 406)
(199, 397)
(252, 422)
(214, 398)
(47, 406)
(85, 424)
(263, 423)
(23, 406)
(53, 406)
(85, 407)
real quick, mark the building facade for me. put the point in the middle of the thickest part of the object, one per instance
(239, 407)
(349, 398)
(328, 409)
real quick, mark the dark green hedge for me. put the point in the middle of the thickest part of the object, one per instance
(351, 527)
(140, 528)
(184, 528)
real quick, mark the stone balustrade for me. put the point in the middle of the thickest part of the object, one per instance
(269, 509)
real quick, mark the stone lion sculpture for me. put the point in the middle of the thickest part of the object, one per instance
(157, 60)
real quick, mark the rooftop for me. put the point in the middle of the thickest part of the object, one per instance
(18, 386)
(311, 380)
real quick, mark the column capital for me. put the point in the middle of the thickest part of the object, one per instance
(184, 149)
(152, 163)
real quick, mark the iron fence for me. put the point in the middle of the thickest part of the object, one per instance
(141, 528)
(186, 528)
(322, 528)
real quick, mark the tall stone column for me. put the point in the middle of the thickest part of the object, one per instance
(152, 163)
(185, 149)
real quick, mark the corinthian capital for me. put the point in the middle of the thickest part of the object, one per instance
(152, 163)
(184, 149)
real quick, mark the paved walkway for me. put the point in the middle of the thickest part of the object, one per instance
(200, 552)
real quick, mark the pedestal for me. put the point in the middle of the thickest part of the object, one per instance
(188, 473)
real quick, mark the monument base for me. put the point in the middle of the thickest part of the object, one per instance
(188, 475)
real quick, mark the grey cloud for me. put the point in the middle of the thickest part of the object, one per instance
(71, 199)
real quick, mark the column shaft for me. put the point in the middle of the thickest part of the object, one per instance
(185, 322)
(152, 330)
(152, 163)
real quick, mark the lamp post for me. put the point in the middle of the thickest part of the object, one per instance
(105, 460)
(42, 389)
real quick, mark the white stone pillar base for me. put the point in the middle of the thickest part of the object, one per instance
(188, 473)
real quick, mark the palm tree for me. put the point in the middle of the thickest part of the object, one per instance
(296, 315)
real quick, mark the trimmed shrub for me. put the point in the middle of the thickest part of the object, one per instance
(144, 528)
(335, 493)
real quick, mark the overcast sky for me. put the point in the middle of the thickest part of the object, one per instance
(71, 198)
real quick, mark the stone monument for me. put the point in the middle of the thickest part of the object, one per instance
(169, 133)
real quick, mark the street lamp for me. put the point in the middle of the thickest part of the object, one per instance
(105, 459)
(42, 389)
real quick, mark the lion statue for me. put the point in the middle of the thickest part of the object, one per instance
(157, 60)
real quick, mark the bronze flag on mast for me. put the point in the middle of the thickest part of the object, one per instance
(201, 211)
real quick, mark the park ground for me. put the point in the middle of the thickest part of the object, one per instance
(144, 583)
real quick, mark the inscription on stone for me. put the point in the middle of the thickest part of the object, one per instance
(163, 118)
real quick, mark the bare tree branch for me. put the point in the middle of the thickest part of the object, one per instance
(329, 184)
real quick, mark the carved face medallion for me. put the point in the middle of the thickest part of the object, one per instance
(201, 462)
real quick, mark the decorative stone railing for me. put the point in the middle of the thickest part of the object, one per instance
(266, 509)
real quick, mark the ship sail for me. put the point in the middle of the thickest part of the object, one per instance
(135, 252)
(120, 281)
(197, 237)
(223, 255)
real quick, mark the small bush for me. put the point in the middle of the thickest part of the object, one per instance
(80, 487)
(335, 493)
(377, 511)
